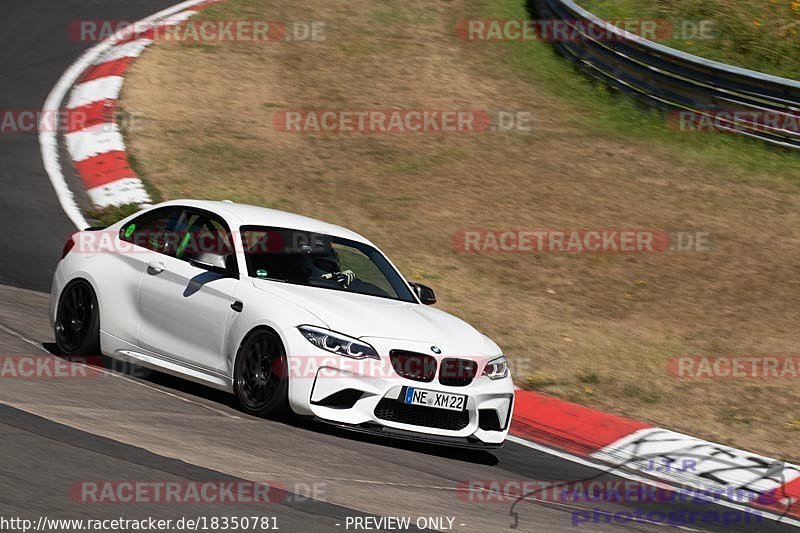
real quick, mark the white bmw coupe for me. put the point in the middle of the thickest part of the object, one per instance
(286, 312)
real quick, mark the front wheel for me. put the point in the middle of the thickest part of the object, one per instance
(77, 326)
(260, 376)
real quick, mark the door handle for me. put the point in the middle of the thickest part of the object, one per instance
(237, 306)
(156, 267)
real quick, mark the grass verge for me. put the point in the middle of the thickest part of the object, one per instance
(755, 34)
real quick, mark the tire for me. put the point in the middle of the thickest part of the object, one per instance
(260, 375)
(77, 325)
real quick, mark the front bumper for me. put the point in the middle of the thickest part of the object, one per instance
(366, 397)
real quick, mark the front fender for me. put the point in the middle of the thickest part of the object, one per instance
(282, 316)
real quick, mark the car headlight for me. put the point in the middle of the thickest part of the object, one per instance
(338, 343)
(496, 368)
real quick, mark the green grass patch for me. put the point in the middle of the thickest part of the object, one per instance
(762, 35)
(610, 113)
(106, 216)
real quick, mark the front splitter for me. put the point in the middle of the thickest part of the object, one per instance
(423, 438)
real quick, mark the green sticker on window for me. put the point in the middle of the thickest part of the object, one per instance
(261, 273)
(130, 230)
(184, 244)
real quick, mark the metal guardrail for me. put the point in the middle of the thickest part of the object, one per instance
(676, 81)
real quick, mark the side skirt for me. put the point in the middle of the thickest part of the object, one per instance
(124, 351)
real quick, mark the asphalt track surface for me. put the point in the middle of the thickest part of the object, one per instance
(55, 433)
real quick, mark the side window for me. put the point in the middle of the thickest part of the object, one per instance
(154, 230)
(201, 232)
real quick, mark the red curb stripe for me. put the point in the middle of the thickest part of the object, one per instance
(775, 498)
(117, 67)
(104, 168)
(568, 426)
(100, 112)
(792, 490)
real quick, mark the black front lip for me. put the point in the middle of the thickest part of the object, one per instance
(402, 434)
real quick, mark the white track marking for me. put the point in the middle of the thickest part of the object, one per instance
(172, 395)
(48, 139)
(23, 338)
(633, 477)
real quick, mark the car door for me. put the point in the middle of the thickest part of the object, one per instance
(185, 311)
(142, 241)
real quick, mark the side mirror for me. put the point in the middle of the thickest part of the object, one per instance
(216, 263)
(424, 293)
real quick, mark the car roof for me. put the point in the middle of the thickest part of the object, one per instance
(250, 215)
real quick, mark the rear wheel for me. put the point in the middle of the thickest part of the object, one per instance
(77, 325)
(261, 380)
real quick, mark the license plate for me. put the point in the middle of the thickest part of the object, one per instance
(440, 400)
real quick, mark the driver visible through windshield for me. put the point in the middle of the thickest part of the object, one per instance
(318, 260)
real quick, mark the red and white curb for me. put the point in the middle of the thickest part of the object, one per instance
(90, 88)
(623, 445)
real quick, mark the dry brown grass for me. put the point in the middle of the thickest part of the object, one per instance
(596, 329)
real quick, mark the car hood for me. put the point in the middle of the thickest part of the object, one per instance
(362, 316)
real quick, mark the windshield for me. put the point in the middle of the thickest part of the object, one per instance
(317, 260)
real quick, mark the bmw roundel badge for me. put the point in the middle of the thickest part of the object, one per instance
(436, 349)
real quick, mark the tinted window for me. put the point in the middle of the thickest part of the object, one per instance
(181, 233)
(154, 230)
(200, 232)
(318, 260)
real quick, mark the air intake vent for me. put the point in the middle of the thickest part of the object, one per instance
(457, 372)
(488, 420)
(418, 415)
(344, 399)
(412, 365)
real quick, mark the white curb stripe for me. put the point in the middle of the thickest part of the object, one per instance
(124, 191)
(177, 18)
(695, 461)
(93, 141)
(131, 49)
(107, 88)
